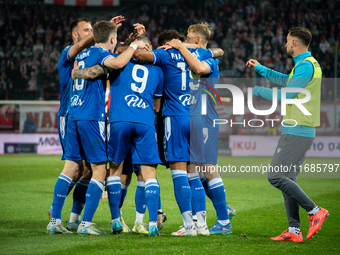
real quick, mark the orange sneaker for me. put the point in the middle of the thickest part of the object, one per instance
(316, 221)
(287, 236)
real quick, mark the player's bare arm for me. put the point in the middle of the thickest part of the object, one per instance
(196, 65)
(121, 60)
(190, 45)
(157, 104)
(144, 55)
(81, 45)
(218, 52)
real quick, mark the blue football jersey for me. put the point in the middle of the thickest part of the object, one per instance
(65, 66)
(88, 96)
(179, 79)
(211, 80)
(132, 90)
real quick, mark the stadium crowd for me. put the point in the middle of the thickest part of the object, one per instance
(33, 35)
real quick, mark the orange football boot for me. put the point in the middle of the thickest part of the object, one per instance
(287, 236)
(316, 221)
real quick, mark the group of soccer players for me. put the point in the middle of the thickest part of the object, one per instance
(170, 82)
(127, 137)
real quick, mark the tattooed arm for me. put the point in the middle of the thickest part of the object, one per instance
(88, 73)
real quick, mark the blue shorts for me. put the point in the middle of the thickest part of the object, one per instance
(62, 128)
(183, 138)
(139, 137)
(210, 136)
(86, 140)
(128, 167)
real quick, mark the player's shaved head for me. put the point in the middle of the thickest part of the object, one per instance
(74, 24)
(102, 31)
(202, 29)
(167, 35)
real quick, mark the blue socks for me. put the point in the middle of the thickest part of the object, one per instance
(182, 190)
(140, 198)
(79, 196)
(198, 198)
(218, 198)
(60, 193)
(113, 186)
(71, 187)
(151, 192)
(205, 185)
(93, 195)
(122, 197)
(198, 193)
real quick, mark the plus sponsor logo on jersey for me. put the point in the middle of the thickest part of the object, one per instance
(135, 101)
(187, 99)
(75, 101)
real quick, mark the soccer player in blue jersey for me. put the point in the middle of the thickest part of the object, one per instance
(199, 34)
(176, 109)
(81, 32)
(129, 168)
(79, 29)
(209, 67)
(131, 126)
(86, 124)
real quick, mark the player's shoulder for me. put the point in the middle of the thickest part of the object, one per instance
(205, 51)
(158, 50)
(65, 51)
(168, 51)
(305, 63)
(67, 48)
(212, 61)
(161, 51)
(304, 67)
(97, 50)
(64, 56)
(201, 52)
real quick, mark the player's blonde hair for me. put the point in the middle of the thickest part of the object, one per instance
(203, 29)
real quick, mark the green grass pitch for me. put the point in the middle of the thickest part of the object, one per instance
(26, 192)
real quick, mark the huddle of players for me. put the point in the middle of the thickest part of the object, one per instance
(131, 127)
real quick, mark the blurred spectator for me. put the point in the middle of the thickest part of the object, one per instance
(32, 83)
(324, 45)
(38, 46)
